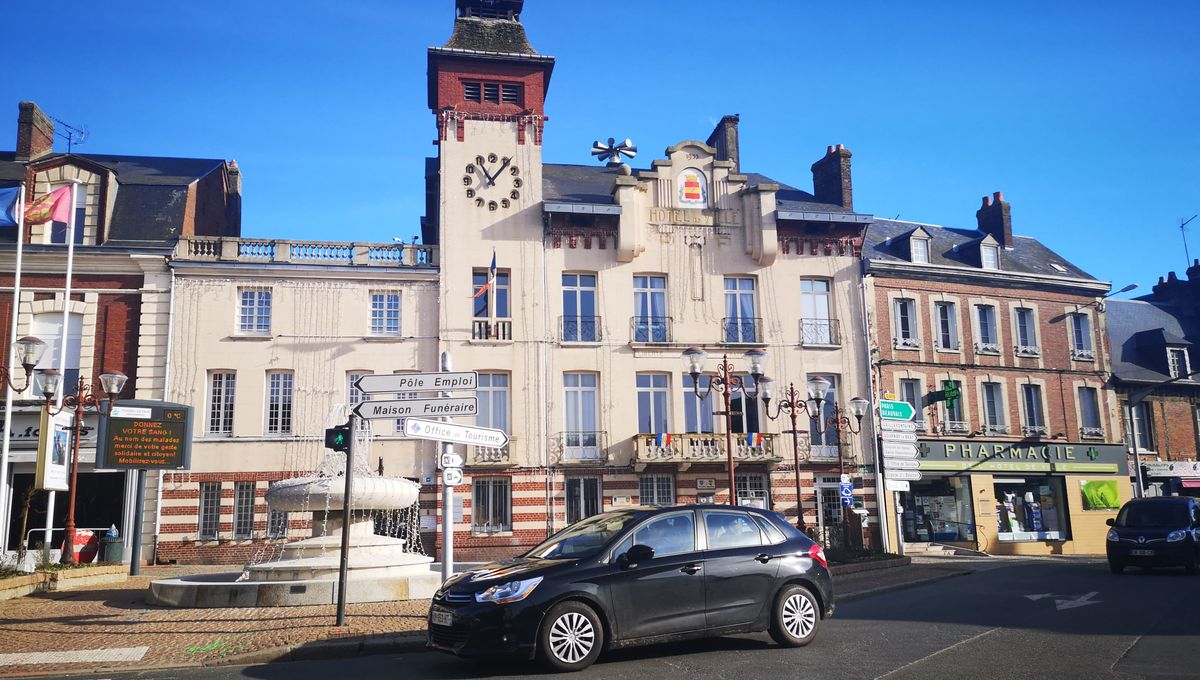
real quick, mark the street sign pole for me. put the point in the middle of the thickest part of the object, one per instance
(344, 562)
(139, 506)
(447, 496)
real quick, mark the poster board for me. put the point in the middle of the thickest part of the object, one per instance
(54, 451)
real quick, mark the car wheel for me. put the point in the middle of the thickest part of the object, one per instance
(1116, 568)
(571, 637)
(795, 618)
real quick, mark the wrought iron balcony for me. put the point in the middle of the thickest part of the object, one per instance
(822, 453)
(987, 348)
(689, 449)
(494, 329)
(820, 333)
(742, 330)
(1028, 351)
(960, 426)
(1083, 354)
(488, 456)
(906, 343)
(579, 447)
(650, 329)
(1034, 430)
(995, 428)
(580, 328)
(1091, 432)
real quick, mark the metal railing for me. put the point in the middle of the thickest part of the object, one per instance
(1083, 354)
(487, 455)
(741, 330)
(1091, 432)
(906, 343)
(495, 329)
(579, 447)
(997, 428)
(1028, 351)
(580, 328)
(1034, 430)
(233, 249)
(704, 448)
(820, 332)
(956, 426)
(987, 348)
(650, 329)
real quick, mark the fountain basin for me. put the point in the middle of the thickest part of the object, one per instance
(225, 590)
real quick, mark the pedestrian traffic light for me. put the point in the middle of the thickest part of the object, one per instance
(338, 438)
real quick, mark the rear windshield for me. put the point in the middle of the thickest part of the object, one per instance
(1154, 515)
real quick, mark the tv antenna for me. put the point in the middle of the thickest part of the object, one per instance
(73, 135)
(612, 151)
(1183, 234)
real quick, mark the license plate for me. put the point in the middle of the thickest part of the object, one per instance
(1142, 553)
(441, 618)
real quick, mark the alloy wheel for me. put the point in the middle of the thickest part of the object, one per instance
(799, 616)
(572, 637)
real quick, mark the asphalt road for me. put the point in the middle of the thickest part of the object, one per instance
(1010, 619)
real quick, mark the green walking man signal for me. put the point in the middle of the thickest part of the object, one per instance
(338, 438)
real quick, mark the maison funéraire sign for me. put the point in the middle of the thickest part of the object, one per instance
(1067, 457)
(145, 435)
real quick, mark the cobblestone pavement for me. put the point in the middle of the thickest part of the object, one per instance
(115, 618)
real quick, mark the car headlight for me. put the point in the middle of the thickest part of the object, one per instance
(1176, 536)
(513, 591)
(1113, 535)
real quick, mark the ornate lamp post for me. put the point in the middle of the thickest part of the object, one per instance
(29, 353)
(84, 397)
(725, 383)
(838, 419)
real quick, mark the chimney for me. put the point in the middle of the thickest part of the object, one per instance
(831, 178)
(995, 218)
(35, 133)
(233, 204)
(724, 139)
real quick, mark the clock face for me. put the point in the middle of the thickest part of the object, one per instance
(492, 182)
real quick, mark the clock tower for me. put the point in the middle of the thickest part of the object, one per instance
(487, 91)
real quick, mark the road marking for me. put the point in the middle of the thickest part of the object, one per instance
(940, 651)
(1041, 596)
(74, 656)
(1081, 601)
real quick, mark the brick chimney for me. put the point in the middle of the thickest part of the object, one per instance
(724, 139)
(35, 133)
(831, 178)
(233, 205)
(995, 218)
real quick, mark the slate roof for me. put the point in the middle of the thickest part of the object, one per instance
(10, 170)
(1138, 356)
(887, 240)
(489, 35)
(791, 199)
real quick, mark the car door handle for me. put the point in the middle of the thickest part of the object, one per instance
(764, 558)
(690, 569)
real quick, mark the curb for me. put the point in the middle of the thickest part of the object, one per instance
(334, 648)
(901, 586)
(858, 567)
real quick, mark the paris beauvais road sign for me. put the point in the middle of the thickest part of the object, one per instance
(895, 410)
(457, 434)
(415, 408)
(377, 383)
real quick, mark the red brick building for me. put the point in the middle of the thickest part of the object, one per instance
(1020, 332)
(129, 212)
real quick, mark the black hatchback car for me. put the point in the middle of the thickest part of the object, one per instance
(1156, 532)
(637, 576)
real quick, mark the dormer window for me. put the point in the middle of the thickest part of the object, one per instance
(989, 255)
(1177, 362)
(919, 249)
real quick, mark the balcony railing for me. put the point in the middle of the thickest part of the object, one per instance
(820, 333)
(1028, 351)
(741, 330)
(690, 449)
(906, 343)
(579, 447)
(1083, 354)
(231, 249)
(580, 328)
(486, 455)
(1034, 430)
(960, 426)
(1091, 432)
(987, 348)
(996, 428)
(650, 329)
(822, 453)
(494, 329)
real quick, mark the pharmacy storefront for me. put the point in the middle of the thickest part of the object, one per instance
(1015, 498)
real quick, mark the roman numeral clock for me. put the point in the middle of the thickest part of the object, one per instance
(492, 182)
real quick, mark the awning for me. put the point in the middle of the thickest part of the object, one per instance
(1191, 483)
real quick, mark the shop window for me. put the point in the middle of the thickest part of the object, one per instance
(938, 510)
(1031, 509)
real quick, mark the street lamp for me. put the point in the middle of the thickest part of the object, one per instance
(726, 383)
(838, 420)
(792, 405)
(84, 397)
(29, 353)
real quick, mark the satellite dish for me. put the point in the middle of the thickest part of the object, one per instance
(613, 151)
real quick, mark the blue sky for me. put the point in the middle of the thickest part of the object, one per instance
(1082, 113)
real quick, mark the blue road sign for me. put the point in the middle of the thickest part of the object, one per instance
(847, 493)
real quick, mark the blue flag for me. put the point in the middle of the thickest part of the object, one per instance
(8, 206)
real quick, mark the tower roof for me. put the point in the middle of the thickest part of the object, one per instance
(489, 26)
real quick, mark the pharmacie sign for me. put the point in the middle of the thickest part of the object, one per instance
(984, 456)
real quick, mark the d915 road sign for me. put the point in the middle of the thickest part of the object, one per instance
(895, 410)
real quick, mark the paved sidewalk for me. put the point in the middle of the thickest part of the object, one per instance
(111, 628)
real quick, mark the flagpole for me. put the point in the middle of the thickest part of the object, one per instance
(8, 391)
(492, 291)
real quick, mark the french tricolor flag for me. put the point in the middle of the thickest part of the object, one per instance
(754, 438)
(662, 439)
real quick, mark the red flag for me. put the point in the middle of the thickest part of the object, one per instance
(54, 206)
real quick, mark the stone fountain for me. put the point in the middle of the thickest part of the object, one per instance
(380, 567)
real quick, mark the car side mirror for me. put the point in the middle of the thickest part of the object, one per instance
(1110, 521)
(635, 556)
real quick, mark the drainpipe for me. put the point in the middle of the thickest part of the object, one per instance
(880, 486)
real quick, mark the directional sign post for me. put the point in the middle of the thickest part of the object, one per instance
(909, 475)
(901, 464)
(458, 434)
(889, 436)
(895, 410)
(899, 450)
(390, 409)
(847, 493)
(896, 485)
(898, 426)
(452, 476)
(377, 383)
(451, 460)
